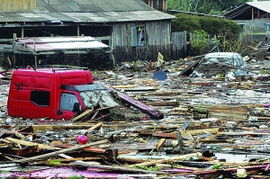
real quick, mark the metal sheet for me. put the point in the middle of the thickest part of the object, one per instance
(60, 43)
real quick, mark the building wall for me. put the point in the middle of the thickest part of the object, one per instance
(119, 36)
(160, 5)
(17, 5)
(256, 25)
(157, 39)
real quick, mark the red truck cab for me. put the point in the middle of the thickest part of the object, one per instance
(52, 93)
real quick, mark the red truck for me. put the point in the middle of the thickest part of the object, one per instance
(53, 93)
(62, 94)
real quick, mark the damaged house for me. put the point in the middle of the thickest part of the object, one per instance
(131, 29)
(253, 17)
(160, 5)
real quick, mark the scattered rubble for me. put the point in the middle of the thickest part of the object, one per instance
(211, 128)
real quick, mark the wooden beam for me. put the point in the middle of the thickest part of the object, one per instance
(154, 162)
(62, 151)
(116, 168)
(252, 13)
(27, 143)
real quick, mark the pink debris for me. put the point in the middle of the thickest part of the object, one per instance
(82, 139)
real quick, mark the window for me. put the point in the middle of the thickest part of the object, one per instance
(137, 36)
(67, 101)
(267, 27)
(103, 97)
(40, 97)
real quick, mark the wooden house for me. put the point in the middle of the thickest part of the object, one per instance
(252, 16)
(160, 5)
(132, 29)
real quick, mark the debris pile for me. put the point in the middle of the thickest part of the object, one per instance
(197, 127)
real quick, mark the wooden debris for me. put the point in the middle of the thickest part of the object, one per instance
(236, 113)
(96, 126)
(27, 143)
(167, 160)
(160, 143)
(82, 115)
(62, 151)
(117, 168)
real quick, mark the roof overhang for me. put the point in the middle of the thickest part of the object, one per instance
(52, 45)
(263, 6)
(84, 17)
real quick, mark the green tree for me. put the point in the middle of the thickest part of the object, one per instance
(205, 6)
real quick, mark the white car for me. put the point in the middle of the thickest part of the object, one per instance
(221, 63)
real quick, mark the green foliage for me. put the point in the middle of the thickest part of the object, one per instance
(205, 6)
(211, 25)
(54, 162)
(185, 22)
(208, 32)
(199, 41)
(152, 168)
(76, 177)
(264, 72)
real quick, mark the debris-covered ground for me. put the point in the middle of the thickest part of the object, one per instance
(214, 127)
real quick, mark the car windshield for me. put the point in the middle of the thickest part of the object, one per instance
(221, 60)
(102, 97)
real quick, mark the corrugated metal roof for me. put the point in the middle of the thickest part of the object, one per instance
(90, 11)
(92, 5)
(262, 5)
(41, 44)
(102, 17)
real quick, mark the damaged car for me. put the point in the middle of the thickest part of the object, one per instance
(223, 64)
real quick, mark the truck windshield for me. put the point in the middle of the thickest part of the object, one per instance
(103, 97)
(67, 101)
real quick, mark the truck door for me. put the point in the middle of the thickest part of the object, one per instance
(69, 105)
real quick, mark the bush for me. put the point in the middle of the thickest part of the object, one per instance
(208, 32)
(201, 42)
(211, 25)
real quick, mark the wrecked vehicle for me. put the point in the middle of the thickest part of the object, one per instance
(63, 94)
(54, 93)
(219, 64)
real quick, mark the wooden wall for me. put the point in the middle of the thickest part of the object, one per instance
(179, 41)
(17, 5)
(158, 39)
(160, 5)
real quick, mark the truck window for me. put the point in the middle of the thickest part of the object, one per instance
(40, 97)
(67, 101)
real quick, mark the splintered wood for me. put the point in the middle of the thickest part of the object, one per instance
(198, 128)
(234, 113)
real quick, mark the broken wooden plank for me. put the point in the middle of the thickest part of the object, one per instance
(235, 113)
(27, 143)
(98, 125)
(189, 132)
(137, 158)
(165, 135)
(244, 133)
(80, 158)
(160, 143)
(62, 151)
(139, 105)
(116, 168)
(163, 103)
(134, 146)
(181, 157)
(82, 115)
